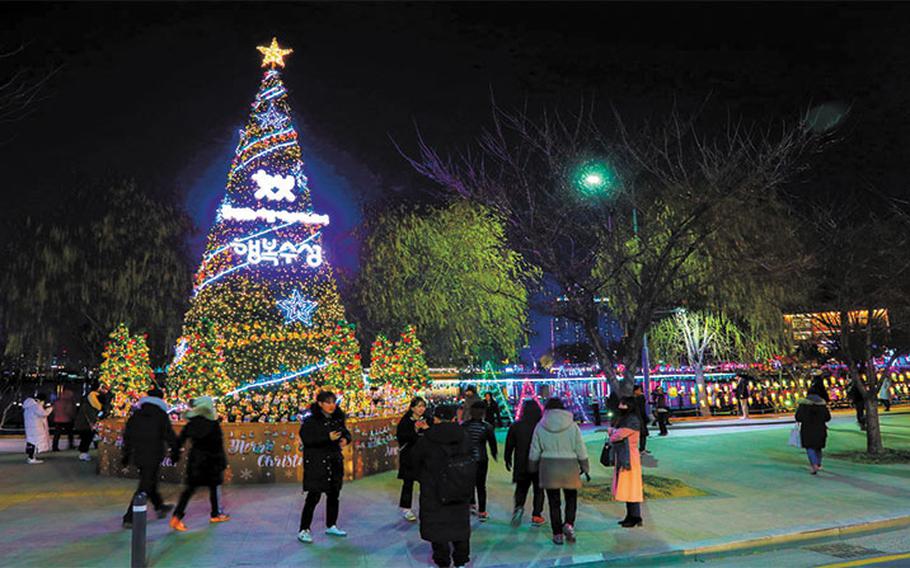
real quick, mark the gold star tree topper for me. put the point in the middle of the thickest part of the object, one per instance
(273, 55)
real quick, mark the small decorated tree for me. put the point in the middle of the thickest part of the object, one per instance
(125, 369)
(409, 365)
(198, 368)
(343, 370)
(381, 361)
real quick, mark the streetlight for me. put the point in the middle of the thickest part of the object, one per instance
(594, 178)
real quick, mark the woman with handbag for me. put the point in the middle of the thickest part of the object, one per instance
(813, 414)
(627, 481)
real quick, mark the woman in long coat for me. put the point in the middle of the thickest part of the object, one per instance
(558, 452)
(410, 429)
(324, 434)
(37, 433)
(627, 481)
(206, 462)
(813, 415)
(518, 448)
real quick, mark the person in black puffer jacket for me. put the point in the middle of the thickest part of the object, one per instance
(324, 434)
(482, 434)
(518, 446)
(146, 440)
(446, 525)
(207, 460)
(411, 427)
(813, 416)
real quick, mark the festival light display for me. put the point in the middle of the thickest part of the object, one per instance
(264, 282)
(198, 368)
(125, 369)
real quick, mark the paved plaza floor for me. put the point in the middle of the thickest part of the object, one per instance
(61, 513)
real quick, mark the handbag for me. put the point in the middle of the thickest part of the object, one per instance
(795, 438)
(607, 455)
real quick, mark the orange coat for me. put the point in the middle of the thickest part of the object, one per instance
(627, 484)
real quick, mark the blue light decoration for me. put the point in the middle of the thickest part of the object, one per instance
(276, 379)
(297, 308)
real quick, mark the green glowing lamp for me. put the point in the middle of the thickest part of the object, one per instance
(595, 178)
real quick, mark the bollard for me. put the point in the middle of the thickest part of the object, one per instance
(140, 508)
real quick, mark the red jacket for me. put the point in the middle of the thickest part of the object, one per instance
(65, 408)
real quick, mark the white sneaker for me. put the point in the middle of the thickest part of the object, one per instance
(85, 457)
(33, 461)
(409, 515)
(335, 531)
(305, 536)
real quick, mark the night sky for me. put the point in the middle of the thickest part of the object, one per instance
(158, 92)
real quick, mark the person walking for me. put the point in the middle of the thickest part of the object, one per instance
(446, 469)
(324, 434)
(87, 416)
(515, 456)
(858, 402)
(492, 414)
(37, 435)
(411, 427)
(642, 409)
(884, 393)
(206, 461)
(661, 408)
(558, 453)
(482, 434)
(470, 397)
(627, 479)
(64, 417)
(147, 438)
(813, 416)
(742, 394)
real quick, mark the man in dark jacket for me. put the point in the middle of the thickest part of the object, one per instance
(518, 446)
(481, 434)
(147, 438)
(742, 394)
(856, 399)
(661, 409)
(323, 433)
(470, 397)
(447, 526)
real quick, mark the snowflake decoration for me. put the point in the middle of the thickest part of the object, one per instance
(246, 474)
(272, 118)
(296, 308)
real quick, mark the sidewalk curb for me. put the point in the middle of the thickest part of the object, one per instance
(747, 543)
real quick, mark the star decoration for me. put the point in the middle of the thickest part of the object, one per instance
(273, 55)
(296, 308)
(271, 118)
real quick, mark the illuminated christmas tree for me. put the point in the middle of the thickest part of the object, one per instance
(409, 365)
(381, 353)
(198, 368)
(125, 369)
(264, 281)
(343, 371)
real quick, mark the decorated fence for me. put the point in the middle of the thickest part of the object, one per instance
(267, 453)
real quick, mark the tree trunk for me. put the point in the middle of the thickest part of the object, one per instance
(602, 353)
(704, 408)
(873, 427)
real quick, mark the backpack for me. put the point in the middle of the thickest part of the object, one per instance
(456, 479)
